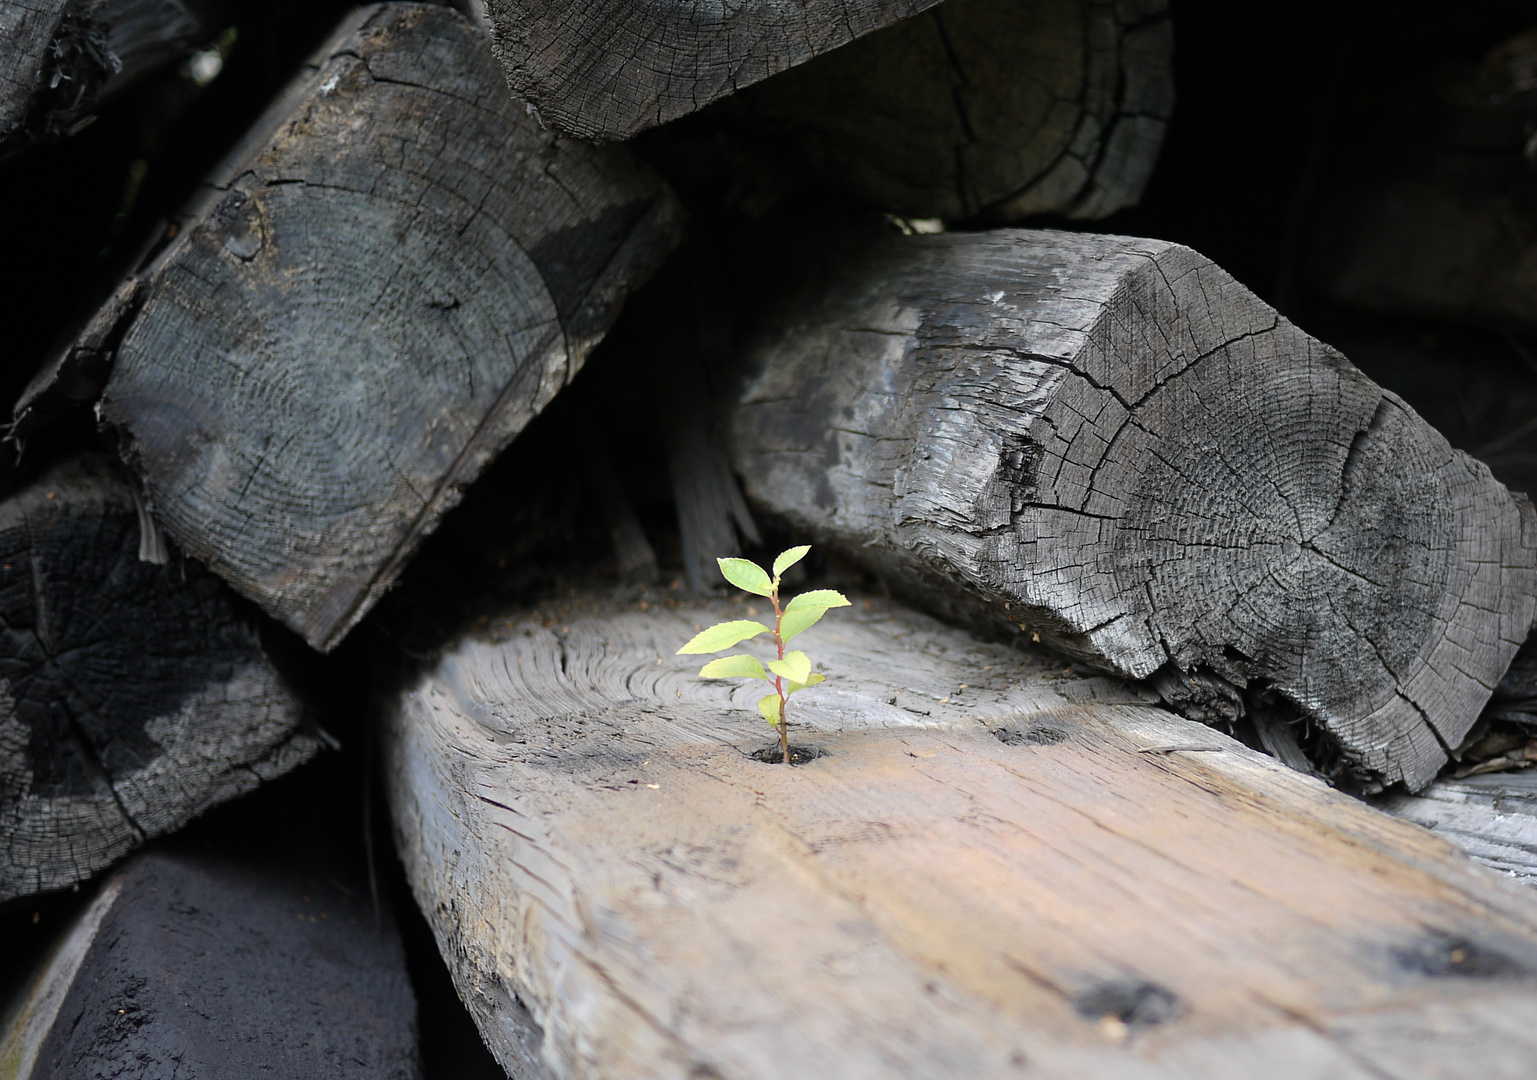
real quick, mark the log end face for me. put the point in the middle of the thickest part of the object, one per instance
(1114, 443)
(133, 696)
(351, 331)
(608, 71)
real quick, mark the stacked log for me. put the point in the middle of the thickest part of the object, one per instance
(1111, 444)
(611, 70)
(975, 109)
(135, 696)
(64, 59)
(983, 108)
(364, 304)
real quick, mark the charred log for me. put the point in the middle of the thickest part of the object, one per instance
(63, 59)
(135, 695)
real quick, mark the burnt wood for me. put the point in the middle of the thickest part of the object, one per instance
(133, 696)
(994, 868)
(184, 965)
(1003, 108)
(62, 59)
(610, 69)
(394, 273)
(1111, 444)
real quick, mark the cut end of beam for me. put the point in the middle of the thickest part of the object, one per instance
(1111, 443)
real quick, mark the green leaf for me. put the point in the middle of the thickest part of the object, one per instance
(723, 636)
(747, 576)
(820, 599)
(811, 680)
(789, 558)
(794, 622)
(768, 707)
(733, 667)
(806, 609)
(796, 666)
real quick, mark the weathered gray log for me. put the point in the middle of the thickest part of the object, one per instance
(995, 107)
(62, 59)
(994, 869)
(611, 69)
(133, 696)
(1492, 817)
(185, 966)
(1112, 444)
(1428, 208)
(368, 300)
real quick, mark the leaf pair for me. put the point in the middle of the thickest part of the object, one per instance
(803, 612)
(795, 669)
(750, 577)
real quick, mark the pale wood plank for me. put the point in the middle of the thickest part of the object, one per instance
(581, 823)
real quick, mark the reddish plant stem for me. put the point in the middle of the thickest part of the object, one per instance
(784, 726)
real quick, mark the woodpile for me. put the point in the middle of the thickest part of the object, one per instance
(388, 435)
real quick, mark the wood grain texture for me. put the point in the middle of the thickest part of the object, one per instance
(991, 107)
(1111, 443)
(1492, 817)
(189, 966)
(393, 274)
(61, 59)
(132, 696)
(611, 69)
(995, 869)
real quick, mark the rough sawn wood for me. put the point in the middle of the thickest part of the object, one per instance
(996, 869)
(367, 301)
(1111, 443)
(1008, 108)
(1492, 817)
(133, 696)
(610, 69)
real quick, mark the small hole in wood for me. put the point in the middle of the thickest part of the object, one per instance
(1131, 1002)
(1440, 955)
(799, 755)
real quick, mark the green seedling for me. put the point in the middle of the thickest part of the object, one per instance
(788, 672)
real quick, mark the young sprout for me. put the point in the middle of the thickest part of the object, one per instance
(788, 672)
